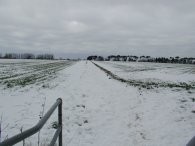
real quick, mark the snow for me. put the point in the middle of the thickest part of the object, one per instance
(152, 71)
(100, 111)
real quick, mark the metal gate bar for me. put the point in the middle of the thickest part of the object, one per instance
(17, 138)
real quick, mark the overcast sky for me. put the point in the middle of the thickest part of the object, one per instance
(77, 28)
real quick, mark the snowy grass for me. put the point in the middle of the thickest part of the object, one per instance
(146, 83)
(31, 72)
(22, 83)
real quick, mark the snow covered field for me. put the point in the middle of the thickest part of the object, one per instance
(153, 71)
(98, 110)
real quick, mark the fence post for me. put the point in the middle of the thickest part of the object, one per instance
(60, 121)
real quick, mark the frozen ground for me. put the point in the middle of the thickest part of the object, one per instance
(152, 71)
(97, 110)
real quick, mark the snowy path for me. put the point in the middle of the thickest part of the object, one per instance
(99, 111)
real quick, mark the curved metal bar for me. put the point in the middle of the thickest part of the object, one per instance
(57, 133)
(17, 138)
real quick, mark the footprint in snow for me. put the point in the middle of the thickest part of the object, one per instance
(83, 95)
(83, 106)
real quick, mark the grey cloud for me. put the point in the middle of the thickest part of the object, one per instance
(154, 27)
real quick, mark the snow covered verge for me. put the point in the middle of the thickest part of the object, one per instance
(25, 86)
(170, 102)
(149, 75)
(99, 111)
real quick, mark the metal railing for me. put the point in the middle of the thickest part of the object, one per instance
(25, 134)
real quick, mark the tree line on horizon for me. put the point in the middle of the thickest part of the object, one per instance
(26, 56)
(177, 59)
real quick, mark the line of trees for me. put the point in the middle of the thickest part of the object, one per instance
(97, 58)
(177, 59)
(26, 56)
